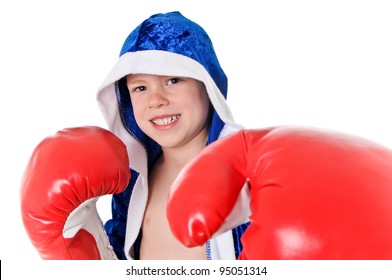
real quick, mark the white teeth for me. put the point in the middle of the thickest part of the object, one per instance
(165, 121)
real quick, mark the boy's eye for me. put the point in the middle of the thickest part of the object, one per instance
(173, 81)
(139, 89)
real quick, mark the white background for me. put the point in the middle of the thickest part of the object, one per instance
(311, 63)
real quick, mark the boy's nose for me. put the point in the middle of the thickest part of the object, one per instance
(158, 99)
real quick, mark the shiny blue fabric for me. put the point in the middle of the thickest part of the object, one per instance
(170, 32)
(174, 33)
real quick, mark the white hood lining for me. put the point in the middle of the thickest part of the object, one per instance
(156, 63)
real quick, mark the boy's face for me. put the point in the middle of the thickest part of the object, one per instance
(171, 110)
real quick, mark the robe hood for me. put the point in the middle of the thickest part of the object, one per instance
(166, 44)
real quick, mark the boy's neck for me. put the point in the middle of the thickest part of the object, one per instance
(178, 157)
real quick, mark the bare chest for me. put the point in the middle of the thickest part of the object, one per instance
(157, 240)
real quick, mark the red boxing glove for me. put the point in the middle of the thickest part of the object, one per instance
(65, 176)
(313, 194)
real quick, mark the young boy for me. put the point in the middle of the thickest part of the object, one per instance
(165, 99)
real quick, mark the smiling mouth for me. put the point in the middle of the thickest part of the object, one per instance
(165, 120)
